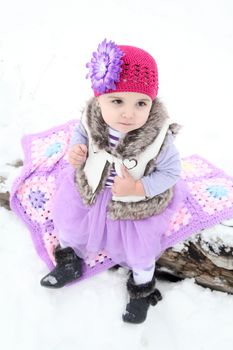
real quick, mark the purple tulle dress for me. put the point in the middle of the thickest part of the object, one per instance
(89, 230)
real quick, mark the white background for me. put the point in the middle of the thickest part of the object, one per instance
(44, 46)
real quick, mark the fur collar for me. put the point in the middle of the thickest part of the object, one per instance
(130, 146)
(135, 141)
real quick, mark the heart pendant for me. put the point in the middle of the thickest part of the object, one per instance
(130, 163)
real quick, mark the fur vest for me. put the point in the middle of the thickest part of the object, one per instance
(134, 143)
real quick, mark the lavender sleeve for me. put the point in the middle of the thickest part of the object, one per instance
(167, 170)
(79, 135)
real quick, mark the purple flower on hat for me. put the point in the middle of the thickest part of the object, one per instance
(105, 67)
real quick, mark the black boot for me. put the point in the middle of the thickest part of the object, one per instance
(141, 297)
(68, 269)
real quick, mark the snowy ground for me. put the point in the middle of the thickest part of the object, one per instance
(44, 46)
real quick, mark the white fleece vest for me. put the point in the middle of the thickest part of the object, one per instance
(136, 166)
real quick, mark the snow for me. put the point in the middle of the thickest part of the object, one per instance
(44, 46)
(218, 236)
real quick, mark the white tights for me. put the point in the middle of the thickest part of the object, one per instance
(140, 276)
(145, 275)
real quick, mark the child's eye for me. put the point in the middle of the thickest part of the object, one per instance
(142, 104)
(117, 101)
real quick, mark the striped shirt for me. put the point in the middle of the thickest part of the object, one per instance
(114, 136)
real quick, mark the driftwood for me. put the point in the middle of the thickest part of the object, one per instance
(208, 269)
(197, 259)
(4, 196)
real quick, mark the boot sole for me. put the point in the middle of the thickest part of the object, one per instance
(58, 285)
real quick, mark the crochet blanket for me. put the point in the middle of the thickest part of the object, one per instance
(209, 201)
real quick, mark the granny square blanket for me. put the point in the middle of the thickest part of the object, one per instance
(209, 200)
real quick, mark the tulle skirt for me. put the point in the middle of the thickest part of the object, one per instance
(89, 230)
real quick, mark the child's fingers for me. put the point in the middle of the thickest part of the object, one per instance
(113, 189)
(83, 148)
(117, 179)
(76, 160)
(78, 155)
(79, 149)
(75, 153)
(124, 171)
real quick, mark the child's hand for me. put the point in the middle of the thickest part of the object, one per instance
(77, 155)
(126, 185)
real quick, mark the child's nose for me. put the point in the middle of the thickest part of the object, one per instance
(128, 113)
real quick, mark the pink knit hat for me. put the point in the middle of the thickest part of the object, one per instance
(120, 68)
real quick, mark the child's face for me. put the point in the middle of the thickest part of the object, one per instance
(125, 111)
